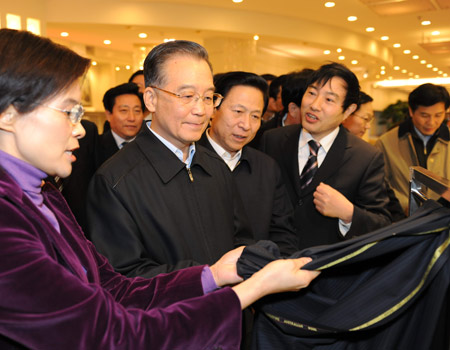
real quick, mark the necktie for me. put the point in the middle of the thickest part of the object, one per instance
(123, 144)
(311, 165)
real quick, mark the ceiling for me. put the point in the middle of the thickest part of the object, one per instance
(294, 28)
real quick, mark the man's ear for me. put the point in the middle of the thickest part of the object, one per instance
(349, 111)
(8, 118)
(410, 112)
(150, 99)
(108, 115)
(293, 109)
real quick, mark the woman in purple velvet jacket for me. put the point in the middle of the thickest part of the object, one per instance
(56, 291)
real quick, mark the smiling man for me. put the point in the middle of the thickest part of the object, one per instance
(334, 179)
(163, 203)
(124, 111)
(257, 176)
(422, 139)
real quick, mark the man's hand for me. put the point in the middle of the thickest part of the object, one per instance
(224, 270)
(332, 203)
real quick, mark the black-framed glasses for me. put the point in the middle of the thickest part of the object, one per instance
(74, 114)
(209, 99)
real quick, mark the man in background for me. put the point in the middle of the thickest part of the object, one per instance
(421, 140)
(124, 112)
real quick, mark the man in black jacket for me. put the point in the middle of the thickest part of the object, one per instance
(257, 176)
(163, 203)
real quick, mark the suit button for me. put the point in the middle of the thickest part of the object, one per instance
(300, 202)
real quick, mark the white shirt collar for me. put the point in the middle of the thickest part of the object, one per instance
(178, 152)
(120, 140)
(230, 159)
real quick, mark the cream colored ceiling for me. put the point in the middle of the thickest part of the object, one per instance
(295, 28)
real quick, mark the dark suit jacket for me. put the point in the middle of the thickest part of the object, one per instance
(267, 205)
(351, 166)
(76, 185)
(107, 147)
(148, 217)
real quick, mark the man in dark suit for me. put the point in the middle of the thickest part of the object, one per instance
(257, 176)
(163, 203)
(335, 180)
(124, 111)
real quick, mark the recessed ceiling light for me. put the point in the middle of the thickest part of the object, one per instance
(255, 37)
(440, 72)
(410, 74)
(423, 62)
(415, 57)
(382, 72)
(127, 67)
(384, 38)
(445, 75)
(94, 63)
(341, 58)
(117, 68)
(396, 68)
(397, 45)
(330, 4)
(429, 65)
(339, 50)
(352, 18)
(406, 52)
(417, 76)
(142, 35)
(107, 42)
(377, 76)
(436, 32)
(404, 71)
(426, 23)
(390, 78)
(142, 48)
(237, 1)
(354, 61)
(382, 67)
(64, 34)
(435, 69)
(326, 52)
(167, 40)
(365, 75)
(370, 29)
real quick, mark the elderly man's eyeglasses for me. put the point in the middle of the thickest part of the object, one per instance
(74, 114)
(209, 99)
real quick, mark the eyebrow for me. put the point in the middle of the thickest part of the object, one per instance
(327, 92)
(242, 106)
(182, 87)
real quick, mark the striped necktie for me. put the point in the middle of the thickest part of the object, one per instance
(311, 165)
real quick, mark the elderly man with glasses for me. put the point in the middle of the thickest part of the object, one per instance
(164, 203)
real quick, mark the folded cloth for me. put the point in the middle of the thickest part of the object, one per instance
(388, 289)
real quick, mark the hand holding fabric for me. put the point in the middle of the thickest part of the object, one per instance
(224, 270)
(278, 276)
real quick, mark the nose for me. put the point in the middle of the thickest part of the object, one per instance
(316, 102)
(78, 131)
(244, 122)
(199, 106)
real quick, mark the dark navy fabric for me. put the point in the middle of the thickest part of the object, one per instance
(385, 290)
